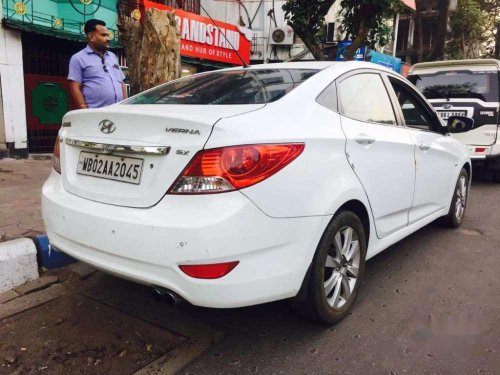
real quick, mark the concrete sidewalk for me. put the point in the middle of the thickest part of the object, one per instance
(20, 189)
(69, 322)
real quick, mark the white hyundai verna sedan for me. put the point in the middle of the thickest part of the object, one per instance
(249, 185)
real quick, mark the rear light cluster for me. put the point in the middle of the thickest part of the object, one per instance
(56, 157)
(232, 168)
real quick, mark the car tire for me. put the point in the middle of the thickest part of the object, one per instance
(458, 204)
(337, 270)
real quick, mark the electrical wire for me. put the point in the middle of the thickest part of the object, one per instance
(245, 65)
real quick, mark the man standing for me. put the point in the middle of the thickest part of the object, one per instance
(95, 77)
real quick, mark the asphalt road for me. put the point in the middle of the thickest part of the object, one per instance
(430, 305)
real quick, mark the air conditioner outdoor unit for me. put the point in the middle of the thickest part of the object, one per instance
(282, 36)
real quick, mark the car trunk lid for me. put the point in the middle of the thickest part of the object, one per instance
(129, 155)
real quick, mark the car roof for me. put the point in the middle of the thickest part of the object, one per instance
(320, 65)
(455, 63)
(286, 65)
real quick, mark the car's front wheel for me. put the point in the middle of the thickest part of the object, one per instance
(458, 204)
(337, 269)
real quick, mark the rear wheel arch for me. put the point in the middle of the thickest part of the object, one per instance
(458, 202)
(468, 168)
(337, 269)
(360, 210)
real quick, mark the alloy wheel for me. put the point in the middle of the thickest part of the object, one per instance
(342, 267)
(461, 197)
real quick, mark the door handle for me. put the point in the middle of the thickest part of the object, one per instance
(424, 147)
(363, 139)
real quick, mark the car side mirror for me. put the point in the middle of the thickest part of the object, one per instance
(460, 124)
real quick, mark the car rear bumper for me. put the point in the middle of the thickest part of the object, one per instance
(147, 245)
(480, 152)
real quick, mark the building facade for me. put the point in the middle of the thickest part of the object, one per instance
(38, 37)
(406, 46)
(272, 40)
(206, 43)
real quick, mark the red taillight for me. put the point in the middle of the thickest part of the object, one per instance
(480, 149)
(232, 168)
(208, 271)
(56, 157)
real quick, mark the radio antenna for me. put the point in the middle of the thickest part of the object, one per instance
(245, 65)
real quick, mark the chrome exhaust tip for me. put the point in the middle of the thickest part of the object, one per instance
(162, 294)
(172, 298)
(157, 295)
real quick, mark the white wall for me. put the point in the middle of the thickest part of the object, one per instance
(12, 86)
(262, 25)
(2, 123)
(333, 16)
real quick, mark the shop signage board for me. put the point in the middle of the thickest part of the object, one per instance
(390, 62)
(342, 46)
(200, 38)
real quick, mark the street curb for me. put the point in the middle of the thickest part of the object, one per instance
(21, 258)
(18, 263)
(40, 157)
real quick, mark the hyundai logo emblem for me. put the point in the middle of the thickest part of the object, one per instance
(447, 106)
(107, 127)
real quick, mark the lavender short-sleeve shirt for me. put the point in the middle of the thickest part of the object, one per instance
(101, 78)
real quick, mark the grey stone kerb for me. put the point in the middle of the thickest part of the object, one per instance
(18, 263)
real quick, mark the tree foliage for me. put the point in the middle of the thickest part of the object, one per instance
(467, 37)
(364, 22)
(439, 40)
(307, 18)
(491, 14)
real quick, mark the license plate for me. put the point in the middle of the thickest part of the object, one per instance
(110, 167)
(445, 115)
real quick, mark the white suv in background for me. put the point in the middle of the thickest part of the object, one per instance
(466, 88)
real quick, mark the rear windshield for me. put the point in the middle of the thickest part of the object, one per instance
(458, 84)
(245, 86)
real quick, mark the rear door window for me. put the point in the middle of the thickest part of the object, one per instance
(245, 86)
(363, 97)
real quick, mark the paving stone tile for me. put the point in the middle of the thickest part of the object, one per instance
(8, 296)
(83, 270)
(31, 300)
(20, 207)
(36, 285)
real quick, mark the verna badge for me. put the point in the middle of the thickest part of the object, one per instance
(107, 127)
